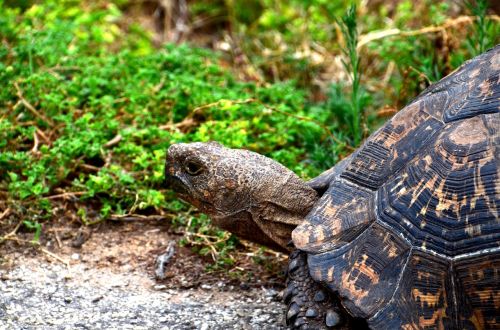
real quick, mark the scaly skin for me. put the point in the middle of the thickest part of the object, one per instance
(243, 192)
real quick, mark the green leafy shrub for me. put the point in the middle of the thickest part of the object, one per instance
(84, 113)
(479, 41)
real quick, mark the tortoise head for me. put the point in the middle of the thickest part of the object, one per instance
(243, 192)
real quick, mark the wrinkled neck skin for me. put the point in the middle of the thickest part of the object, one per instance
(268, 223)
(243, 226)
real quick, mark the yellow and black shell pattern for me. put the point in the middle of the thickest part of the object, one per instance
(408, 234)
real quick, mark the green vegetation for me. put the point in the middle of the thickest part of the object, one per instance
(479, 41)
(349, 28)
(89, 105)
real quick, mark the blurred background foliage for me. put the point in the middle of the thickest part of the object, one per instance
(93, 92)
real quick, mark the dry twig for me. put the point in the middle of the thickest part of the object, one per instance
(36, 143)
(66, 194)
(376, 35)
(13, 232)
(5, 213)
(55, 256)
(139, 217)
(41, 134)
(37, 246)
(58, 239)
(30, 107)
(113, 141)
(89, 167)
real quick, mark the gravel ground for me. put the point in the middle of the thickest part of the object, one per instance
(42, 295)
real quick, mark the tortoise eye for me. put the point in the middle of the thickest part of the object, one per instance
(193, 168)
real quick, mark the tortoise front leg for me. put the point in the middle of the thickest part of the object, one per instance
(309, 304)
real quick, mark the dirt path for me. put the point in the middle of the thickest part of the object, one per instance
(108, 283)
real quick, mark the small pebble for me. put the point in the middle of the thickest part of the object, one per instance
(319, 296)
(160, 287)
(332, 318)
(311, 312)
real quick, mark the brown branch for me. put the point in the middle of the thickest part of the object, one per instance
(66, 194)
(5, 213)
(207, 242)
(55, 256)
(376, 35)
(138, 217)
(113, 141)
(58, 239)
(30, 107)
(214, 104)
(37, 246)
(14, 231)
(36, 142)
(43, 136)
(89, 167)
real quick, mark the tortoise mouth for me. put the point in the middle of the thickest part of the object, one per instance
(176, 184)
(184, 192)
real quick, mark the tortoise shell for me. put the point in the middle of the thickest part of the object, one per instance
(408, 232)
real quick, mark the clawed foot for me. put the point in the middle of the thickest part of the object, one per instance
(309, 304)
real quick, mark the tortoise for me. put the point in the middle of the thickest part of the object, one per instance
(402, 234)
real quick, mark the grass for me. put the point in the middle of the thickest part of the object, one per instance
(89, 105)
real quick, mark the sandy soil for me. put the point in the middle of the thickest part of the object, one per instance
(103, 277)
